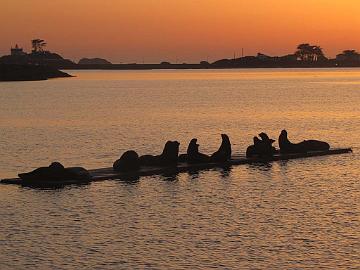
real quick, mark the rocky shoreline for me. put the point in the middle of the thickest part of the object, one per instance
(12, 72)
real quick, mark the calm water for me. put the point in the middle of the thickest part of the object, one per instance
(302, 214)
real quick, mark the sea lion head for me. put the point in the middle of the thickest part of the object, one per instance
(283, 139)
(266, 138)
(226, 145)
(171, 149)
(193, 147)
(127, 162)
(56, 166)
(256, 140)
(225, 137)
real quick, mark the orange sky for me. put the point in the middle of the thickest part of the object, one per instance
(179, 30)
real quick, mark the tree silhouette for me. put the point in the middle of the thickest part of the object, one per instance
(303, 51)
(309, 53)
(38, 45)
(318, 53)
(350, 53)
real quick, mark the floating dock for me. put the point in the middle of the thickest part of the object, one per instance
(109, 174)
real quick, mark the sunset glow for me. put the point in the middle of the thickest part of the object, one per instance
(179, 31)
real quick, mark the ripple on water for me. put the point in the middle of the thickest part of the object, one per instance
(301, 214)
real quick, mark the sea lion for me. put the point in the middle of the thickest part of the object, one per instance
(56, 172)
(129, 161)
(224, 152)
(261, 147)
(193, 154)
(305, 146)
(251, 150)
(168, 157)
(269, 150)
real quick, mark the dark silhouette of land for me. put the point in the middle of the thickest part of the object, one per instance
(94, 61)
(38, 56)
(37, 65)
(305, 56)
(11, 72)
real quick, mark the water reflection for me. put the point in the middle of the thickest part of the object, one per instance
(53, 187)
(257, 218)
(130, 179)
(262, 166)
(224, 172)
(194, 174)
(170, 177)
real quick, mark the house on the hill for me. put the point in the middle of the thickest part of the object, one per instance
(17, 51)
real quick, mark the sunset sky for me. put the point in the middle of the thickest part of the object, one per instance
(179, 30)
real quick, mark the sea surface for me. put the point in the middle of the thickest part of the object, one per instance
(299, 214)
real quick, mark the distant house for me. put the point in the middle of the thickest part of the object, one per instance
(37, 57)
(17, 51)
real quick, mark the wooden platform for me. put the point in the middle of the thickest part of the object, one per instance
(109, 173)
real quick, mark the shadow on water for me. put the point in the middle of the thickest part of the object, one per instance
(170, 177)
(195, 174)
(131, 180)
(135, 179)
(262, 166)
(225, 172)
(284, 163)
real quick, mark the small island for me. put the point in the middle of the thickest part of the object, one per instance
(37, 65)
(12, 72)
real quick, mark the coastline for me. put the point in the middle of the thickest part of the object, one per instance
(135, 66)
(12, 72)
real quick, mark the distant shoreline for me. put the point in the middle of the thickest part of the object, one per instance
(196, 66)
(305, 56)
